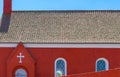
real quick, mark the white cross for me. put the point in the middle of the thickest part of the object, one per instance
(20, 57)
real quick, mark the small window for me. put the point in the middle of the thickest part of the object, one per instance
(20, 73)
(60, 67)
(101, 64)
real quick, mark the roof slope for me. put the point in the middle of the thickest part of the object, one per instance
(63, 27)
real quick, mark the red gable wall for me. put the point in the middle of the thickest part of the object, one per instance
(79, 60)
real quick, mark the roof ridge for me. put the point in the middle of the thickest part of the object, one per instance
(66, 11)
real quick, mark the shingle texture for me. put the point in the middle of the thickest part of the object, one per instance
(63, 27)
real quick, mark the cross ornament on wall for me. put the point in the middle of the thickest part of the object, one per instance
(20, 56)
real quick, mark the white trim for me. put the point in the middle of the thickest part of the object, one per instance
(27, 45)
(106, 61)
(8, 44)
(55, 66)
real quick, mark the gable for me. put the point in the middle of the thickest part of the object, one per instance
(20, 50)
(20, 58)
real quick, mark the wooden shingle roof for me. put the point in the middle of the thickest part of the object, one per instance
(62, 27)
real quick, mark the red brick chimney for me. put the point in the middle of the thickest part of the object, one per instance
(7, 7)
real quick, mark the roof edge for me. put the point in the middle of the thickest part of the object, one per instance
(62, 42)
(66, 11)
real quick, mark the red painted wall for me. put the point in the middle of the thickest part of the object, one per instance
(4, 52)
(79, 60)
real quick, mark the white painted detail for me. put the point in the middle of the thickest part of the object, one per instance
(62, 45)
(20, 56)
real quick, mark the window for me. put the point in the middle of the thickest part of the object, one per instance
(60, 67)
(20, 73)
(102, 64)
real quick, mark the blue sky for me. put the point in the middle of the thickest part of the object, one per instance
(64, 5)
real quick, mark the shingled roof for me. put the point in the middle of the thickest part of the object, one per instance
(61, 27)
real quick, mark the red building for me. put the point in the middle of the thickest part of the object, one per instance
(71, 43)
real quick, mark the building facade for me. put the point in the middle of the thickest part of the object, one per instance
(70, 43)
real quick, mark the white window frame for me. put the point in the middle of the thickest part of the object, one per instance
(55, 66)
(106, 61)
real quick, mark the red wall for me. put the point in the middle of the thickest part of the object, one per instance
(79, 60)
(4, 52)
